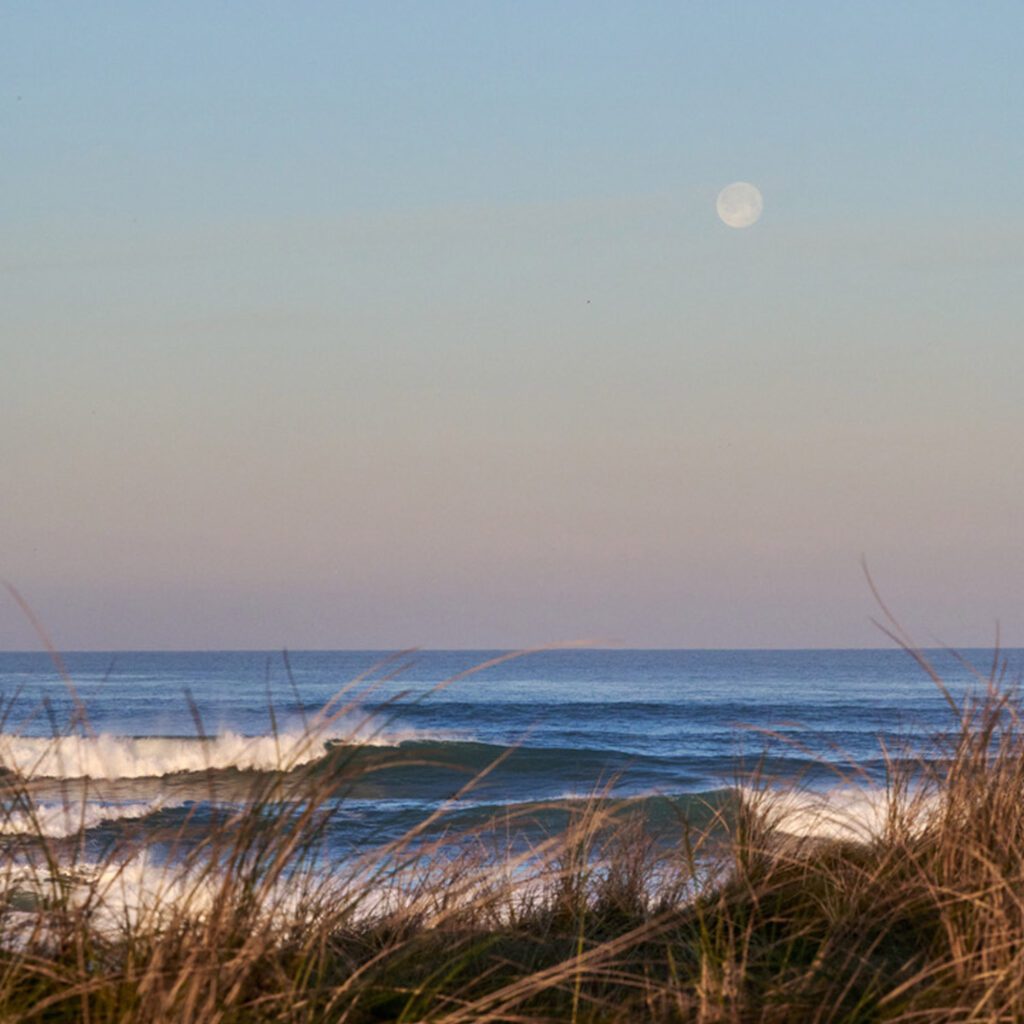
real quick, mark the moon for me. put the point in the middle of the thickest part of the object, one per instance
(740, 204)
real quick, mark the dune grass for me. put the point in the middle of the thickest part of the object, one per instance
(921, 920)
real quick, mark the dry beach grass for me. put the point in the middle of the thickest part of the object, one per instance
(921, 918)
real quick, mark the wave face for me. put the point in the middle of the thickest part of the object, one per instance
(108, 757)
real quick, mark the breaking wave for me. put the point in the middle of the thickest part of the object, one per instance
(106, 756)
(856, 814)
(133, 757)
(60, 821)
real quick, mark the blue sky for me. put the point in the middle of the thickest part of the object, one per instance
(149, 116)
(383, 324)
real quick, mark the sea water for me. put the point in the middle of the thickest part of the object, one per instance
(146, 741)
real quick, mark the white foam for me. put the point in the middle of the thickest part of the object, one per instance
(142, 891)
(57, 821)
(126, 757)
(849, 813)
(132, 892)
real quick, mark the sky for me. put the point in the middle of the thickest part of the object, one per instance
(376, 325)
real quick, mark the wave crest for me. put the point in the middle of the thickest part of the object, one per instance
(135, 757)
(111, 757)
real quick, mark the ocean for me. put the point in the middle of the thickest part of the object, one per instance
(155, 743)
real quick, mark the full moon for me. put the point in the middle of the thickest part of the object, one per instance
(740, 204)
